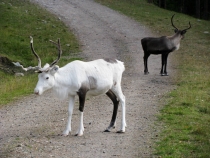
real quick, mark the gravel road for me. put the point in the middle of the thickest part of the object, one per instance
(31, 127)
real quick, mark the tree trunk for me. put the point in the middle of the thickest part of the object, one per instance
(198, 11)
(182, 8)
(205, 16)
(160, 1)
(164, 4)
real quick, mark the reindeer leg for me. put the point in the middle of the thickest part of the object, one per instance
(118, 92)
(163, 63)
(163, 71)
(165, 68)
(82, 94)
(70, 111)
(146, 56)
(113, 97)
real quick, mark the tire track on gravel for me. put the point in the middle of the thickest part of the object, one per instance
(30, 127)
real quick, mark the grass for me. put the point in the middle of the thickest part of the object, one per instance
(19, 20)
(185, 117)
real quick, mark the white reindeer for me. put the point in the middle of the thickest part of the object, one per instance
(102, 76)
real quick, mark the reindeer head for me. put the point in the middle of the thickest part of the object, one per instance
(177, 31)
(47, 73)
(46, 79)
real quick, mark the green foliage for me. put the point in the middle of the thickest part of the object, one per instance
(19, 20)
(186, 116)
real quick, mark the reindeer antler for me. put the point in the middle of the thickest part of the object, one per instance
(173, 23)
(176, 27)
(59, 52)
(38, 58)
(39, 68)
(188, 27)
(30, 67)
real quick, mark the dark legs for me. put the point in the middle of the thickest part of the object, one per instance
(145, 63)
(163, 71)
(82, 94)
(113, 97)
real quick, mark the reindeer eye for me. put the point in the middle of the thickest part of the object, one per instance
(183, 32)
(47, 78)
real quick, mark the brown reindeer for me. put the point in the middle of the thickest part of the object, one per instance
(162, 45)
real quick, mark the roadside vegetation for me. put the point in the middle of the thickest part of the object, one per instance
(19, 20)
(185, 117)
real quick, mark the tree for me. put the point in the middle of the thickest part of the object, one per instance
(198, 9)
(205, 14)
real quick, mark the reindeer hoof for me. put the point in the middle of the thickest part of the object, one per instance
(146, 73)
(165, 74)
(120, 131)
(78, 135)
(106, 130)
(64, 135)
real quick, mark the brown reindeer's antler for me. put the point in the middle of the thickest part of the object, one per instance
(188, 27)
(176, 27)
(172, 22)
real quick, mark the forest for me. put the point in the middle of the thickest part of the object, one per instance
(197, 8)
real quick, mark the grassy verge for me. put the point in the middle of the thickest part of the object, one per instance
(186, 116)
(19, 20)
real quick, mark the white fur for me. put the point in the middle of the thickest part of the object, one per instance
(177, 46)
(66, 82)
(175, 40)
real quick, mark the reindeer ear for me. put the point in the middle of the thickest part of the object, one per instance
(54, 69)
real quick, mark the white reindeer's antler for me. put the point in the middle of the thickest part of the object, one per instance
(38, 58)
(48, 67)
(39, 68)
(30, 67)
(25, 69)
(59, 52)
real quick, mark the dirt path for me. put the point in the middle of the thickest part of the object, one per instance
(31, 127)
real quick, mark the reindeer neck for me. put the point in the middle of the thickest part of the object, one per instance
(176, 38)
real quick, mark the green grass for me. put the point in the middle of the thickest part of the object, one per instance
(19, 20)
(186, 115)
